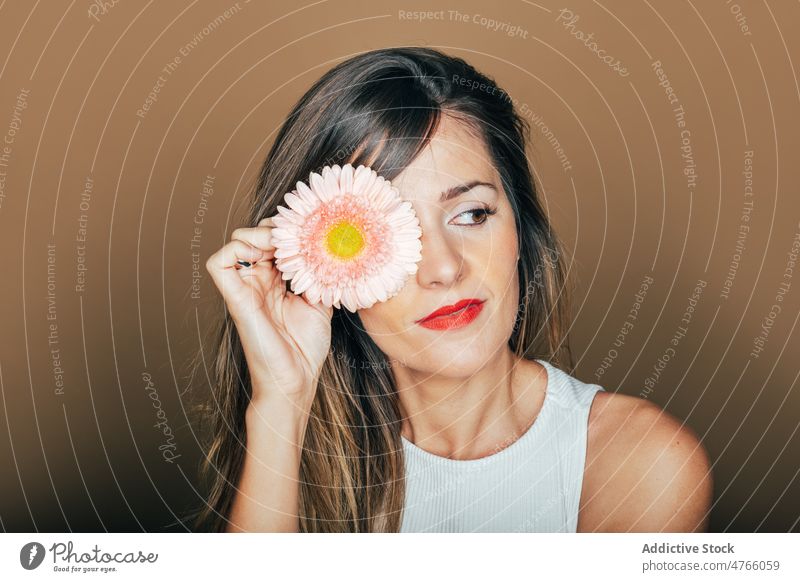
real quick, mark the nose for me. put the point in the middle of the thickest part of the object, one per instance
(442, 261)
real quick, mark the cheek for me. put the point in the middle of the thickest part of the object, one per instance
(495, 257)
(387, 327)
(501, 274)
(383, 319)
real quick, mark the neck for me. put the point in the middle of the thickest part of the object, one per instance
(472, 417)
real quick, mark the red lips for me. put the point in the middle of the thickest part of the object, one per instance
(448, 309)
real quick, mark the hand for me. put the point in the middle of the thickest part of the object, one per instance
(285, 339)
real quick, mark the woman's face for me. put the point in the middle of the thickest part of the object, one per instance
(469, 251)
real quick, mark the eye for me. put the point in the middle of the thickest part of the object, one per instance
(480, 215)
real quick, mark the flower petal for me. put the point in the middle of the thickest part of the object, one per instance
(296, 204)
(331, 186)
(346, 179)
(361, 177)
(286, 215)
(302, 281)
(317, 184)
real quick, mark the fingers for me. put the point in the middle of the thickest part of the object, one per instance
(260, 237)
(248, 246)
(221, 266)
(236, 250)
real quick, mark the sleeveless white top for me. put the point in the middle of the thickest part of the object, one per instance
(532, 485)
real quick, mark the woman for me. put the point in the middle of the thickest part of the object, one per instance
(388, 419)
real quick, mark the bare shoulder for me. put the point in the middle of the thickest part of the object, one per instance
(645, 470)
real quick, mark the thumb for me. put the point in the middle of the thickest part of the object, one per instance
(328, 311)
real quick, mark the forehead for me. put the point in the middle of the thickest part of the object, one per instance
(455, 154)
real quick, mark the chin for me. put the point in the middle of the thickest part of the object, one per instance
(453, 363)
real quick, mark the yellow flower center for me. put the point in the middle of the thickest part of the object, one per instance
(344, 240)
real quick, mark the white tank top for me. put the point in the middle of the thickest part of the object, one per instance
(532, 485)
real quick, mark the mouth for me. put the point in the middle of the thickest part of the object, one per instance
(453, 316)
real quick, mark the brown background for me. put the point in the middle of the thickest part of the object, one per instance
(89, 459)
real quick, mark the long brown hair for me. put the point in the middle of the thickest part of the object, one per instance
(380, 107)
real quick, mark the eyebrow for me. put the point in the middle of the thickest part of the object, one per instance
(462, 188)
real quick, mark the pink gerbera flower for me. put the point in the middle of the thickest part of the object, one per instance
(347, 238)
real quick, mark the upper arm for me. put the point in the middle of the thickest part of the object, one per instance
(645, 470)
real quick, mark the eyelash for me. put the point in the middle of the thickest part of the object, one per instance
(486, 213)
